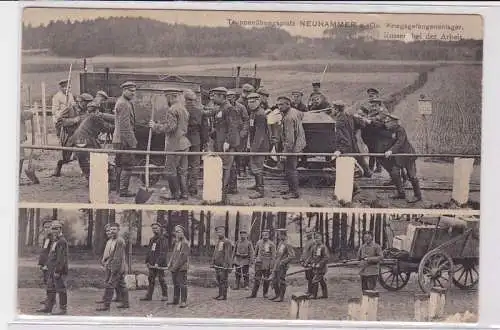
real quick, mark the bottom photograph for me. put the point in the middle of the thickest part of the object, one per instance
(248, 265)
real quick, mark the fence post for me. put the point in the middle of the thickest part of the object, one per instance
(299, 306)
(462, 171)
(369, 305)
(421, 307)
(354, 309)
(212, 179)
(344, 183)
(436, 302)
(98, 181)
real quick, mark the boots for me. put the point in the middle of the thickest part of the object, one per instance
(124, 298)
(282, 290)
(314, 290)
(63, 304)
(149, 293)
(276, 292)
(124, 184)
(294, 188)
(50, 302)
(173, 184)
(220, 293)
(183, 187)
(265, 288)
(238, 281)
(416, 190)
(324, 289)
(108, 295)
(256, 185)
(255, 289)
(259, 183)
(177, 293)
(233, 181)
(57, 171)
(183, 297)
(396, 178)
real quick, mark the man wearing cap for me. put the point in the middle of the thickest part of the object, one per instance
(87, 134)
(178, 266)
(297, 102)
(318, 102)
(305, 259)
(60, 101)
(57, 270)
(294, 141)
(246, 89)
(259, 142)
(100, 98)
(67, 123)
(114, 263)
(221, 261)
(124, 136)
(265, 251)
(319, 266)
(264, 97)
(244, 126)
(316, 91)
(109, 236)
(156, 258)
(175, 127)
(369, 254)
(394, 164)
(243, 256)
(44, 251)
(197, 134)
(227, 122)
(284, 254)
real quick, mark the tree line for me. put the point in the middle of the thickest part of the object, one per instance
(143, 36)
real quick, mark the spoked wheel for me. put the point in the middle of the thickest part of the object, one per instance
(466, 274)
(392, 278)
(435, 270)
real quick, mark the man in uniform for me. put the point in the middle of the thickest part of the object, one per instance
(259, 142)
(114, 262)
(244, 125)
(243, 256)
(246, 89)
(25, 115)
(294, 141)
(297, 102)
(221, 261)
(319, 262)
(370, 254)
(124, 136)
(305, 259)
(264, 98)
(67, 123)
(394, 164)
(284, 255)
(265, 251)
(100, 98)
(87, 134)
(156, 258)
(316, 90)
(197, 134)
(318, 102)
(227, 135)
(57, 270)
(43, 257)
(175, 127)
(109, 236)
(178, 266)
(60, 102)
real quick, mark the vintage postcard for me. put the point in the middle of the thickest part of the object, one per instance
(251, 108)
(216, 263)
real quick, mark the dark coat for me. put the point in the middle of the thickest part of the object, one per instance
(44, 252)
(157, 251)
(319, 258)
(197, 132)
(346, 126)
(124, 133)
(180, 257)
(88, 132)
(265, 253)
(293, 135)
(259, 132)
(401, 145)
(223, 253)
(227, 124)
(58, 256)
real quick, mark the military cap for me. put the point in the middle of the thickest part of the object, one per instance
(219, 90)
(297, 93)
(190, 95)
(106, 226)
(263, 91)
(181, 228)
(281, 230)
(377, 99)
(114, 224)
(128, 84)
(248, 88)
(102, 93)
(391, 116)
(372, 90)
(220, 227)
(56, 224)
(253, 96)
(86, 97)
(284, 97)
(243, 230)
(156, 224)
(265, 231)
(316, 84)
(63, 82)
(46, 221)
(339, 103)
(172, 90)
(92, 104)
(231, 92)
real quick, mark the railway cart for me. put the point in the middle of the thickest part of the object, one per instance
(440, 250)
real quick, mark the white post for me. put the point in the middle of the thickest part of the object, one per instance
(421, 307)
(98, 181)
(299, 306)
(37, 122)
(212, 179)
(44, 114)
(369, 305)
(344, 178)
(462, 171)
(437, 301)
(354, 309)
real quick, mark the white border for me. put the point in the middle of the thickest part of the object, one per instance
(10, 15)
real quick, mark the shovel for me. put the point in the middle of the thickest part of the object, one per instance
(143, 195)
(30, 171)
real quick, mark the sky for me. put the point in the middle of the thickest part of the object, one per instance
(296, 23)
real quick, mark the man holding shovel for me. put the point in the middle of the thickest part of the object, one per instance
(175, 127)
(61, 100)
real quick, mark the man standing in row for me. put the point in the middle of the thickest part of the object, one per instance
(243, 129)
(265, 251)
(156, 259)
(246, 89)
(175, 127)
(57, 270)
(43, 257)
(103, 261)
(178, 266)
(297, 102)
(243, 256)
(370, 254)
(221, 261)
(319, 267)
(284, 255)
(124, 136)
(305, 259)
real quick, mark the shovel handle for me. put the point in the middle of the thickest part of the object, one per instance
(150, 136)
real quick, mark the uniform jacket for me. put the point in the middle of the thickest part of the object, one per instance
(243, 100)
(59, 104)
(157, 251)
(223, 253)
(180, 257)
(244, 124)
(69, 120)
(197, 132)
(401, 145)
(265, 253)
(227, 124)
(116, 262)
(124, 133)
(25, 115)
(320, 257)
(44, 252)
(371, 133)
(373, 253)
(302, 107)
(323, 99)
(175, 127)
(346, 126)
(293, 136)
(58, 256)
(306, 256)
(87, 133)
(243, 252)
(259, 132)
(284, 254)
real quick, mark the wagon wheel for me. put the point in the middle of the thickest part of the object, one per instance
(392, 278)
(153, 178)
(466, 274)
(435, 269)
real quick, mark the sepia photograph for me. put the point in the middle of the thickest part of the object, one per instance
(248, 265)
(245, 108)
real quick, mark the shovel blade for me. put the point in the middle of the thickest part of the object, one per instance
(30, 173)
(142, 196)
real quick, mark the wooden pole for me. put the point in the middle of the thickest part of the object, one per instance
(354, 309)
(31, 226)
(421, 307)
(212, 179)
(44, 114)
(437, 302)
(200, 229)
(344, 183)
(299, 306)
(90, 229)
(369, 305)
(208, 231)
(98, 181)
(37, 122)
(37, 224)
(462, 171)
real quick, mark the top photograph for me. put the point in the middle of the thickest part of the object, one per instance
(247, 108)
